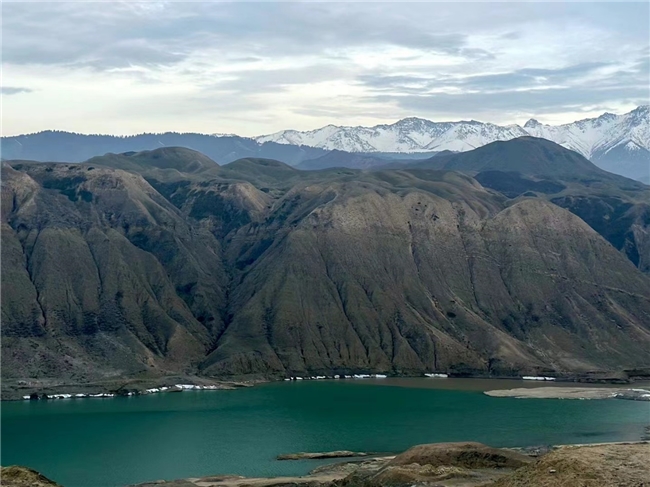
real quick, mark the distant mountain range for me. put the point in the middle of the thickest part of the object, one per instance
(589, 137)
(57, 146)
(407, 136)
(616, 143)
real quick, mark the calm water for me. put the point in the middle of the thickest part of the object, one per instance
(115, 442)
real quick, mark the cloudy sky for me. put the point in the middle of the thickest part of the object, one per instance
(256, 68)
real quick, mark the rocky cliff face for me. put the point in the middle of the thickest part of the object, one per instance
(256, 268)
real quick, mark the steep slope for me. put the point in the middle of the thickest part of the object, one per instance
(258, 268)
(106, 276)
(616, 207)
(409, 280)
(620, 216)
(627, 159)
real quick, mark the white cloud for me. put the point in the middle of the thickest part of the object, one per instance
(131, 67)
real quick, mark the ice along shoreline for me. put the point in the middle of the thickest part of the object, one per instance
(135, 387)
(194, 387)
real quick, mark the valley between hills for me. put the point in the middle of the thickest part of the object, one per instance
(516, 258)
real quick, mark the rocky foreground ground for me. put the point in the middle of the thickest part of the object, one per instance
(16, 476)
(468, 465)
(442, 465)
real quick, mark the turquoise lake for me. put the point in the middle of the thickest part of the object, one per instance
(121, 441)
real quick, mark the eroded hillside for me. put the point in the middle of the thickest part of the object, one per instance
(143, 263)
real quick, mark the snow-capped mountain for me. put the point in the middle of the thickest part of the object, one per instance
(408, 135)
(595, 136)
(588, 137)
(618, 143)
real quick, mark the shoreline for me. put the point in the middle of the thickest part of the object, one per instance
(49, 389)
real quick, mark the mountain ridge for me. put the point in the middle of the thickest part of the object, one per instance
(61, 146)
(333, 137)
(616, 143)
(257, 268)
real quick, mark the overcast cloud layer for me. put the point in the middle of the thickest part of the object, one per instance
(255, 68)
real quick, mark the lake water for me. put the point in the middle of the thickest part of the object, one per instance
(120, 441)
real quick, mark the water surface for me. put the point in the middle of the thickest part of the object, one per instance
(119, 441)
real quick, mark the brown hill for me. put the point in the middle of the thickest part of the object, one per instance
(608, 465)
(616, 207)
(257, 268)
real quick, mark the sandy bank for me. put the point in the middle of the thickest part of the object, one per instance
(321, 455)
(572, 393)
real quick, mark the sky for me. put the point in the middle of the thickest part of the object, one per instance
(256, 68)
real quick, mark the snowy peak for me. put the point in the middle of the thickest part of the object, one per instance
(409, 135)
(412, 122)
(609, 137)
(590, 137)
(618, 143)
(531, 124)
(594, 137)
